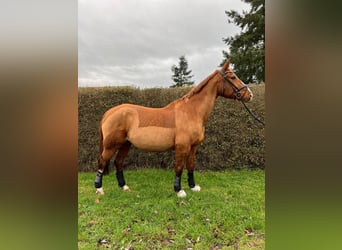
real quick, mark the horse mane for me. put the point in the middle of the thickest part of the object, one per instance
(198, 88)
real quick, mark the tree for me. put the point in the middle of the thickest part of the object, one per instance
(247, 49)
(181, 75)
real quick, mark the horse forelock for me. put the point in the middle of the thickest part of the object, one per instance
(199, 87)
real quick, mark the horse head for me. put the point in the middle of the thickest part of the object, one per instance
(230, 85)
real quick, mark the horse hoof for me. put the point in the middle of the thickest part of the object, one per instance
(196, 188)
(126, 188)
(99, 191)
(181, 194)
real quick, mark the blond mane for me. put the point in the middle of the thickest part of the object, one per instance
(198, 88)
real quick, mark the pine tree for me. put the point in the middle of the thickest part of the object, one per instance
(247, 49)
(181, 75)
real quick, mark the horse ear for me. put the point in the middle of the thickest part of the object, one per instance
(225, 66)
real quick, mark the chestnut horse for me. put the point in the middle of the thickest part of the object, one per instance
(178, 126)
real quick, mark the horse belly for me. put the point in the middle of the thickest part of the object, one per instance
(152, 138)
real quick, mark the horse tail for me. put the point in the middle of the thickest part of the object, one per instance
(106, 167)
(101, 139)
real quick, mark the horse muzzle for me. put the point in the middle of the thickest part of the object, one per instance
(246, 95)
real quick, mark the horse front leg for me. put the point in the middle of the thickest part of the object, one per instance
(190, 165)
(181, 155)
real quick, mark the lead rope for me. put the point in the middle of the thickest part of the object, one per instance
(253, 115)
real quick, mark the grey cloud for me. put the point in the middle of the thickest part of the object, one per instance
(136, 42)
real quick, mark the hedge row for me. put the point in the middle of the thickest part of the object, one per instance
(233, 139)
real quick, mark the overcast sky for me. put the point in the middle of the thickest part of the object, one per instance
(136, 42)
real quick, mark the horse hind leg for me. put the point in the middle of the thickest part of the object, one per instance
(103, 164)
(120, 157)
(118, 162)
(108, 147)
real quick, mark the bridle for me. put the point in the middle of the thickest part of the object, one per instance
(237, 94)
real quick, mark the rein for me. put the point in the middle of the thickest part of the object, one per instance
(238, 95)
(253, 115)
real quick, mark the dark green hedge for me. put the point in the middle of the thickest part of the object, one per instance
(233, 138)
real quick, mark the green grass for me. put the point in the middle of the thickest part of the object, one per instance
(228, 213)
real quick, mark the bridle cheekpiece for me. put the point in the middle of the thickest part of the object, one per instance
(237, 94)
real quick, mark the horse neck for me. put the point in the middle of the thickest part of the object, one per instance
(203, 102)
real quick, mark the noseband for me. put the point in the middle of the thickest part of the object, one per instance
(237, 94)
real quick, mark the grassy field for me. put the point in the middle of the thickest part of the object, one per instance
(228, 213)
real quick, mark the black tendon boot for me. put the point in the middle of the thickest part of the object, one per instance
(98, 179)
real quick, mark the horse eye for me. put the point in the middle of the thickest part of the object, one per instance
(234, 77)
